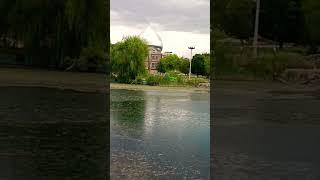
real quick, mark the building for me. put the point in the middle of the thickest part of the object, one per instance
(155, 49)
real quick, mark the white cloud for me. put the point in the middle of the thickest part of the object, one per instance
(180, 23)
(178, 42)
(173, 41)
(172, 15)
(184, 3)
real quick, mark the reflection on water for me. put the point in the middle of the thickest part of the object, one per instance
(159, 134)
(52, 134)
(266, 135)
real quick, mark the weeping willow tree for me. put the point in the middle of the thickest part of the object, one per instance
(50, 31)
(127, 58)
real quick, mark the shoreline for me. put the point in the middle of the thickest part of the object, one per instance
(77, 81)
(158, 88)
(93, 82)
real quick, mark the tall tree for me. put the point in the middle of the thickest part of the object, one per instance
(184, 65)
(52, 30)
(127, 58)
(169, 63)
(312, 15)
(282, 21)
(235, 17)
(199, 62)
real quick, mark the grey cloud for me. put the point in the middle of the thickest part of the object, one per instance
(171, 15)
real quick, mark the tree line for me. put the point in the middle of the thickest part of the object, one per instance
(200, 64)
(129, 55)
(283, 21)
(52, 33)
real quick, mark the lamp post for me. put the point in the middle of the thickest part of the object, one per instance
(191, 48)
(256, 30)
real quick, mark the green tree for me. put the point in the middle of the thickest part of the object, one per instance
(235, 17)
(184, 65)
(207, 66)
(127, 58)
(169, 63)
(312, 15)
(50, 31)
(282, 21)
(198, 64)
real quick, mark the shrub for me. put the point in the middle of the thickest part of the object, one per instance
(92, 59)
(154, 80)
(196, 81)
(184, 65)
(140, 79)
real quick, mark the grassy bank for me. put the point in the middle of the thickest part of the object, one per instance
(89, 82)
(158, 88)
(238, 63)
(171, 78)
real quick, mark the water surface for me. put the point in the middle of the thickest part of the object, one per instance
(158, 134)
(265, 133)
(52, 134)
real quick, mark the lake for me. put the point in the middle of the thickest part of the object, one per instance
(47, 133)
(265, 131)
(159, 134)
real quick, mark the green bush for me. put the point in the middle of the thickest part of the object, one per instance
(283, 61)
(140, 79)
(238, 62)
(154, 80)
(170, 78)
(174, 77)
(92, 59)
(196, 81)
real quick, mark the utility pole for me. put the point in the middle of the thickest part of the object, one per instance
(191, 48)
(256, 30)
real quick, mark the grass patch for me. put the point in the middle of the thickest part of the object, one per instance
(172, 78)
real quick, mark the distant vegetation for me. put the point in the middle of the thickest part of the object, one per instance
(128, 65)
(61, 34)
(289, 34)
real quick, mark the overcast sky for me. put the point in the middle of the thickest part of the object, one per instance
(180, 23)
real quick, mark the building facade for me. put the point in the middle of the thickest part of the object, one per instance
(153, 58)
(155, 49)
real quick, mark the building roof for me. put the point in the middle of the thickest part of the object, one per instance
(152, 37)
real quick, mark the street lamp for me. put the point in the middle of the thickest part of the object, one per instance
(256, 30)
(191, 48)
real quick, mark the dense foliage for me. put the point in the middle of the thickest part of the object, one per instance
(289, 34)
(169, 63)
(283, 21)
(174, 63)
(184, 65)
(49, 31)
(312, 15)
(128, 57)
(200, 64)
(170, 78)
